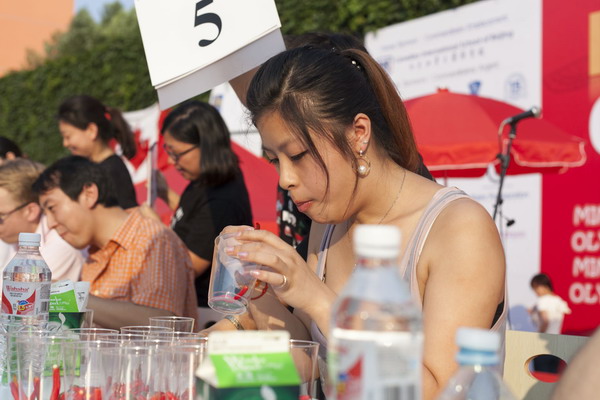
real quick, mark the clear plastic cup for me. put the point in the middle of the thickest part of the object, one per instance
(40, 364)
(305, 354)
(230, 284)
(177, 324)
(149, 332)
(188, 338)
(134, 374)
(89, 369)
(86, 334)
(176, 373)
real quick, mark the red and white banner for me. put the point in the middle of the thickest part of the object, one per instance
(571, 201)
(534, 52)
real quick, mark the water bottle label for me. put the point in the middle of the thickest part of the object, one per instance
(375, 365)
(25, 298)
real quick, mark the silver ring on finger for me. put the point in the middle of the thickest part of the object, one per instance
(284, 283)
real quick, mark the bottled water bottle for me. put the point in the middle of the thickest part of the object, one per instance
(375, 346)
(27, 280)
(478, 377)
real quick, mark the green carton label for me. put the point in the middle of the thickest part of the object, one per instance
(251, 370)
(63, 302)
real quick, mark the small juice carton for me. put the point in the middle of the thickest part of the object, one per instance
(248, 365)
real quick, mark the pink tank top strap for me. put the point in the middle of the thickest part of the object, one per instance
(408, 265)
(322, 256)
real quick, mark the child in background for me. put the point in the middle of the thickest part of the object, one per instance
(549, 309)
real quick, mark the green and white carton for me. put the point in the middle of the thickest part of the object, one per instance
(68, 302)
(248, 365)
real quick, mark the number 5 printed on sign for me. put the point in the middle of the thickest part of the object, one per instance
(225, 39)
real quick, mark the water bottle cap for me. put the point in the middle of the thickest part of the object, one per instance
(477, 346)
(29, 239)
(382, 241)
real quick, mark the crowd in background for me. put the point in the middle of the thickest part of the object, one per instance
(84, 206)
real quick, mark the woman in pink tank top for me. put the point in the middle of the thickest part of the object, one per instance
(336, 129)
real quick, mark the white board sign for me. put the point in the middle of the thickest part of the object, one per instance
(192, 46)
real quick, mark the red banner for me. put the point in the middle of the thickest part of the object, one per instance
(571, 201)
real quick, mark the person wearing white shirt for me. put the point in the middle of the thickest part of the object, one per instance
(6, 253)
(20, 212)
(549, 310)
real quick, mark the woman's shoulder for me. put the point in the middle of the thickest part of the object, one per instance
(463, 210)
(464, 227)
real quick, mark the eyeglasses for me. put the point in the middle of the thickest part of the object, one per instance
(5, 215)
(176, 156)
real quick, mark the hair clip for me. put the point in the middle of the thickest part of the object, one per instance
(355, 63)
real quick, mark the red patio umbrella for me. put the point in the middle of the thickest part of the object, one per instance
(457, 135)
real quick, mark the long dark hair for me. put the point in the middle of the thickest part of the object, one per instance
(201, 124)
(323, 90)
(82, 110)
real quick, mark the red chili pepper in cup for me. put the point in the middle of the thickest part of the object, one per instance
(55, 383)
(241, 293)
(36, 389)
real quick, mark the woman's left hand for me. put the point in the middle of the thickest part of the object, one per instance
(287, 273)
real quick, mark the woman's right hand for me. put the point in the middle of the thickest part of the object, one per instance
(292, 280)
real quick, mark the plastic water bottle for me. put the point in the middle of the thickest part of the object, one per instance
(26, 281)
(376, 340)
(477, 377)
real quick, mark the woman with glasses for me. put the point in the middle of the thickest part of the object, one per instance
(87, 127)
(198, 144)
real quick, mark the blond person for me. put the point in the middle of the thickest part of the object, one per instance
(20, 212)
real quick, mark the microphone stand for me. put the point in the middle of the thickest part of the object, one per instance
(504, 162)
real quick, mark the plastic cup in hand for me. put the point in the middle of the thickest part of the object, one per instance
(305, 354)
(230, 284)
(89, 369)
(177, 324)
